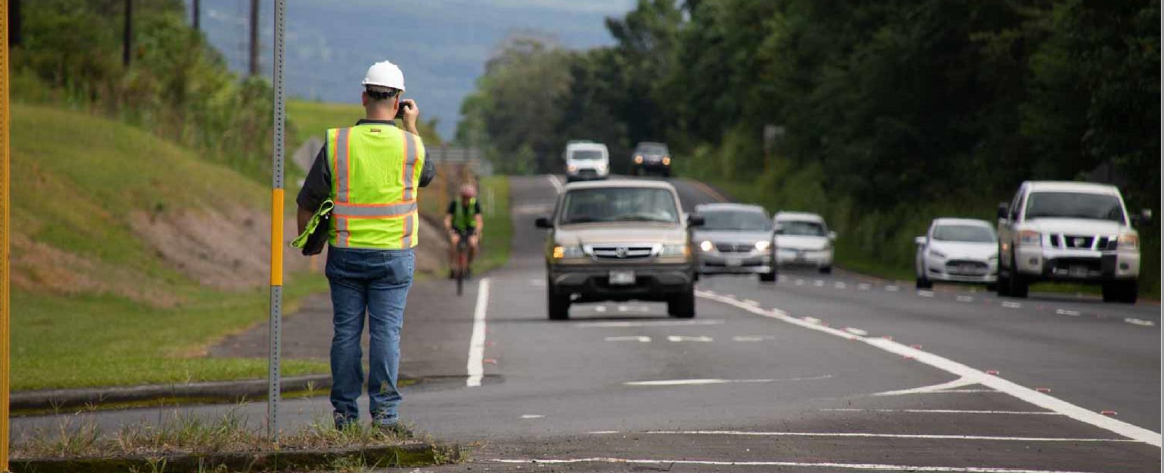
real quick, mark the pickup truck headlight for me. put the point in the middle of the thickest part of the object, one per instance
(568, 252)
(763, 245)
(1128, 241)
(675, 250)
(1030, 238)
(571, 168)
(706, 245)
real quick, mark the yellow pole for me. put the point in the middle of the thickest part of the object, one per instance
(5, 367)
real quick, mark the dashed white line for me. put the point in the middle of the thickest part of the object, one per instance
(856, 331)
(995, 438)
(681, 338)
(476, 363)
(532, 416)
(648, 323)
(839, 285)
(964, 299)
(734, 463)
(818, 283)
(1011, 305)
(1072, 313)
(863, 287)
(799, 282)
(1140, 322)
(752, 338)
(638, 338)
(947, 411)
(925, 293)
(892, 288)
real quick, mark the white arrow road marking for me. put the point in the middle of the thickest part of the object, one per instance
(680, 338)
(703, 382)
(733, 463)
(640, 338)
(968, 375)
(1145, 323)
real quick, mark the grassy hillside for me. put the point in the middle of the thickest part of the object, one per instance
(96, 303)
(313, 118)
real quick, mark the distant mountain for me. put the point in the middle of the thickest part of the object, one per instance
(441, 45)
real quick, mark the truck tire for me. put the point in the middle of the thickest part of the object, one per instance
(1120, 291)
(682, 306)
(1017, 285)
(557, 305)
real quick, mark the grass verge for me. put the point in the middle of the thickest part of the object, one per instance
(495, 245)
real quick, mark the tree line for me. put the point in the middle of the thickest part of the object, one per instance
(872, 109)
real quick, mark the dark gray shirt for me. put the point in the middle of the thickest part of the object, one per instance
(317, 186)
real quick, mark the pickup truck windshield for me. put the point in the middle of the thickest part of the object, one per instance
(964, 233)
(586, 155)
(799, 228)
(1074, 205)
(619, 204)
(738, 220)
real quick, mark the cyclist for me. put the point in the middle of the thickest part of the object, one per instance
(464, 221)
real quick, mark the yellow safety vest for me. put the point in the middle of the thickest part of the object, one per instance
(375, 169)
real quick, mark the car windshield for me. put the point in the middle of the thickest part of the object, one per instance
(1074, 205)
(964, 233)
(800, 228)
(739, 220)
(651, 149)
(619, 204)
(586, 155)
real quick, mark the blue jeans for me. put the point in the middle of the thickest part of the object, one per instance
(375, 282)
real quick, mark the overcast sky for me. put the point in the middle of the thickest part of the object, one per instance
(441, 45)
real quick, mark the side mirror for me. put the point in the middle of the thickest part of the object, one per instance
(1144, 218)
(919, 241)
(1003, 210)
(543, 222)
(833, 236)
(695, 220)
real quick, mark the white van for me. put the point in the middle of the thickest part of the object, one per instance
(586, 160)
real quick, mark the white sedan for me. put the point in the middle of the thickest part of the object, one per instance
(803, 239)
(957, 250)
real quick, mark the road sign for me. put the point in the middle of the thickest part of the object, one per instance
(273, 373)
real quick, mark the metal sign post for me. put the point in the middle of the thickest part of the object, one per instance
(5, 335)
(273, 373)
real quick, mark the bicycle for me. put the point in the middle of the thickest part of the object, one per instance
(462, 261)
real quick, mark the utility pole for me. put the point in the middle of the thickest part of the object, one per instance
(127, 39)
(197, 14)
(254, 63)
(274, 374)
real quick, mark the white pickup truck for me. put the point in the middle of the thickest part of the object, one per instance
(1069, 231)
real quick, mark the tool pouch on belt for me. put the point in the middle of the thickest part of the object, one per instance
(314, 237)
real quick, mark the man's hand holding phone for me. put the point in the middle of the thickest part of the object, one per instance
(409, 112)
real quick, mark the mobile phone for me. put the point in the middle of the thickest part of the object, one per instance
(400, 109)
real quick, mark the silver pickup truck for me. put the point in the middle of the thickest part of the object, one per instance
(1069, 231)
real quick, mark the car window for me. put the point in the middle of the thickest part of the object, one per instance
(740, 220)
(964, 233)
(1074, 205)
(586, 155)
(1015, 205)
(800, 228)
(619, 204)
(651, 149)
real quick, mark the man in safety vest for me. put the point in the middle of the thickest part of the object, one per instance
(464, 221)
(371, 173)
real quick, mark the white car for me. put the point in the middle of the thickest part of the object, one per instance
(586, 160)
(803, 239)
(957, 250)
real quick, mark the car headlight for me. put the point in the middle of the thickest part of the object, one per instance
(937, 254)
(568, 252)
(1030, 238)
(571, 168)
(763, 245)
(1128, 241)
(639, 159)
(706, 245)
(666, 160)
(675, 250)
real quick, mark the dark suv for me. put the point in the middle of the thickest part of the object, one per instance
(651, 158)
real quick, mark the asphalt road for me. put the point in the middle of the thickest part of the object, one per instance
(812, 373)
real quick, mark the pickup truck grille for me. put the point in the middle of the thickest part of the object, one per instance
(622, 252)
(1082, 242)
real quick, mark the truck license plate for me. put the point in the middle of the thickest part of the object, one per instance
(622, 278)
(1078, 271)
(732, 262)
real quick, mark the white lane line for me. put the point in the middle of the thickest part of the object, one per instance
(680, 338)
(475, 366)
(648, 323)
(856, 331)
(863, 286)
(600, 308)
(736, 463)
(532, 416)
(925, 293)
(704, 382)
(1023, 393)
(948, 411)
(1072, 313)
(751, 302)
(995, 438)
(839, 285)
(752, 338)
(818, 283)
(812, 320)
(799, 282)
(1141, 322)
(557, 183)
(1011, 305)
(964, 299)
(639, 338)
(892, 288)
(957, 383)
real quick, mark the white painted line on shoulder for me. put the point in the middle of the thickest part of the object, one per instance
(648, 323)
(532, 416)
(1140, 322)
(1011, 305)
(557, 183)
(812, 320)
(752, 338)
(1072, 313)
(751, 302)
(681, 338)
(964, 299)
(790, 464)
(925, 293)
(703, 382)
(476, 363)
(948, 411)
(856, 331)
(639, 338)
(996, 438)
(970, 375)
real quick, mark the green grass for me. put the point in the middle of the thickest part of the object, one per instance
(314, 118)
(495, 246)
(92, 304)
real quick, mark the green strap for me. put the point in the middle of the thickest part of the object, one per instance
(324, 209)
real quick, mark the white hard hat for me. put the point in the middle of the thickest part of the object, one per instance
(385, 74)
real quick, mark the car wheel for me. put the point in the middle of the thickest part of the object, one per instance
(923, 283)
(1003, 285)
(683, 305)
(768, 277)
(1125, 292)
(1017, 285)
(826, 270)
(557, 305)
(992, 287)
